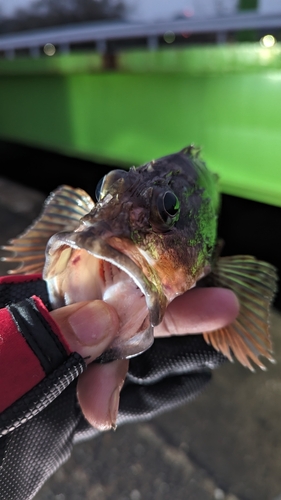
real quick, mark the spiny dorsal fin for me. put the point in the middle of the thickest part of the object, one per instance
(191, 150)
(62, 211)
(254, 283)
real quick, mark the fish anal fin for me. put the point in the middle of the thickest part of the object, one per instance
(217, 339)
(62, 211)
(254, 282)
(229, 342)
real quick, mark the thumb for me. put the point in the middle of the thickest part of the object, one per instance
(88, 327)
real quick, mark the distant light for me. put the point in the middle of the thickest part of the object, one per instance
(169, 36)
(49, 49)
(268, 41)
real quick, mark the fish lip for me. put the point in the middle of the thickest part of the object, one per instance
(99, 248)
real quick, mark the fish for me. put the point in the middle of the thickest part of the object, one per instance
(149, 236)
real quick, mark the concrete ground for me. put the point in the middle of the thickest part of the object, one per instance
(225, 445)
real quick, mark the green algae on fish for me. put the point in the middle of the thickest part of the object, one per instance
(151, 236)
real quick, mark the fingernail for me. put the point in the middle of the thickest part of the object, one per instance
(92, 323)
(113, 407)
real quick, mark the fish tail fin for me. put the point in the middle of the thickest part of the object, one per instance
(254, 282)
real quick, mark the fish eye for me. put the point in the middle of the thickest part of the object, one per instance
(105, 183)
(168, 206)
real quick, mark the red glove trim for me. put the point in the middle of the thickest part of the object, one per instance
(20, 368)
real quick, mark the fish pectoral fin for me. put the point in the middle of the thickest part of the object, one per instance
(254, 282)
(62, 211)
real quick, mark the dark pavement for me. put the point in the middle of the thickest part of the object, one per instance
(225, 445)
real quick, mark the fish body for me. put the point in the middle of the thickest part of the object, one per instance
(150, 236)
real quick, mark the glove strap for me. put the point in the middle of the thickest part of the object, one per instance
(36, 363)
(42, 395)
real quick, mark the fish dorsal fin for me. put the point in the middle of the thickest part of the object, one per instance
(62, 211)
(254, 283)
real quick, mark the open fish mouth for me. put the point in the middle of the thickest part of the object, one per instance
(83, 266)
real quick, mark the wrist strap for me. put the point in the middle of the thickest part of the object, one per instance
(36, 364)
(32, 347)
(42, 395)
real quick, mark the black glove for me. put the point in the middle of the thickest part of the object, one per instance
(172, 372)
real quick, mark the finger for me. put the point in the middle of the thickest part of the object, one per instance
(88, 327)
(98, 393)
(198, 310)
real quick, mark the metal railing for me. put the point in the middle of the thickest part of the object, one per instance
(100, 33)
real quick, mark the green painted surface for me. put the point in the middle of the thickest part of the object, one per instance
(225, 99)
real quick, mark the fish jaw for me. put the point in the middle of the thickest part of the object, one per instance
(165, 271)
(81, 267)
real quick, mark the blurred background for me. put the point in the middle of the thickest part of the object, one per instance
(90, 85)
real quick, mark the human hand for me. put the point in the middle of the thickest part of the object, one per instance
(90, 327)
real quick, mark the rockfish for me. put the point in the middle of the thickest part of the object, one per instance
(150, 236)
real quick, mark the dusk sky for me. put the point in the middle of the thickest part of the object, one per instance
(153, 10)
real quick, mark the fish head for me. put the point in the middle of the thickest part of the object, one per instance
(149, 238)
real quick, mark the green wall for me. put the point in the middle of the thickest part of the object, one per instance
(225, 99)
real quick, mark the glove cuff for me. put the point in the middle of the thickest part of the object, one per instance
(36, 361)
